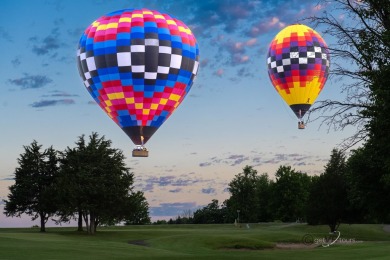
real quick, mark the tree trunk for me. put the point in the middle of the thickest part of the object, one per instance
(95, 225)
(43, 222)
(80, 221)
(86, 222)
(91, 229)
(332, 227)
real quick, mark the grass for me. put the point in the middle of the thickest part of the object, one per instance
(193, 242)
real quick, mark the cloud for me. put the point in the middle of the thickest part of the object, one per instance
(48, 44)
(16, 62)
(57, 93)
(251, 42)
(264, 26)
(208, 191)
(5, 34)
(219, 72)
(184, 180)
(244, 72)
(258, 159)
(176, 190)
(8, 179)
(237, 159)
(172, 209)
(204, 164)
(204, 62)
(237, 58)
(49, 103)
(31, 81)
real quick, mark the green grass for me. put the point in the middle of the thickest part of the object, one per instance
(193, 242)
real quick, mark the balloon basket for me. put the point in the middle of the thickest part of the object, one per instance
(140, 152)
(301, 125)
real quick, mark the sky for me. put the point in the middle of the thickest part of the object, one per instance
(232, 116)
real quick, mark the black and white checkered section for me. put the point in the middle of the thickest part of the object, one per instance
(148, 59)
(302, 58)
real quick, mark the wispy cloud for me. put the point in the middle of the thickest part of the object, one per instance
(237, 159)
(205, 164)
(49, 103)
(4, 34)
(16, 62)
(58, 93)
(176, 190)
(172, 209)
(259, 159)
(31, 81)
(48, 44)
(219, 72)
(173, 182)
(208, 191)
(8, 179)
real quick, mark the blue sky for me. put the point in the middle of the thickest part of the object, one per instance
(232, 116)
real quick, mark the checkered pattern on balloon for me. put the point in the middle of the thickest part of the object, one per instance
(138, 65)
(298, 66)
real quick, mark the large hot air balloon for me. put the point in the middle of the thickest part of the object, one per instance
(138, 65)
(298, 66)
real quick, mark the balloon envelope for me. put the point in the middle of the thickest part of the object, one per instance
(298, 66)
(138, 65)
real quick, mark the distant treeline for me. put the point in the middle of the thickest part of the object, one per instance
(347, 191)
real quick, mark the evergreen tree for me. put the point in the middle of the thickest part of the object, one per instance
(328, 201)
(34, 192)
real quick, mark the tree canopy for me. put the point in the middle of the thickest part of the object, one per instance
(90, 181)
(34, 191)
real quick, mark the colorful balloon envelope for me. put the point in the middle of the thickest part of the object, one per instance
(138, 65)
(298, 66)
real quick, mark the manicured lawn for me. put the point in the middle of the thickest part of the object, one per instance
(256, 241)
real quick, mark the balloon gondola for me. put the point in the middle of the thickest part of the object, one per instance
(138, 65)
(298, 66)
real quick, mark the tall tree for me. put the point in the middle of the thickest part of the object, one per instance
(361, 53)
(365, 43)
(34, 192)
(71, 182)
(97, 184)
(368, 192)
(328, 202)
(213, 213)
(243, 200)
(136, 212)
(290, 194)
(264, 198)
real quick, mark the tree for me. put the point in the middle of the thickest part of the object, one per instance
(34, 191)
(213, 213)
(368, 191)
(366, 44)
(97, 184)
(361, 54)
(137, 210)
(264, 197)
(328, 202)
(244, 195)
(71, 182)
(290, 194)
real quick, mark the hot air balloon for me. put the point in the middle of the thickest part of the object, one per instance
(138, 65)
(298, 66)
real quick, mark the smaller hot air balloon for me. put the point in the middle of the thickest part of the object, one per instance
(298, 66)
(138, 65)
